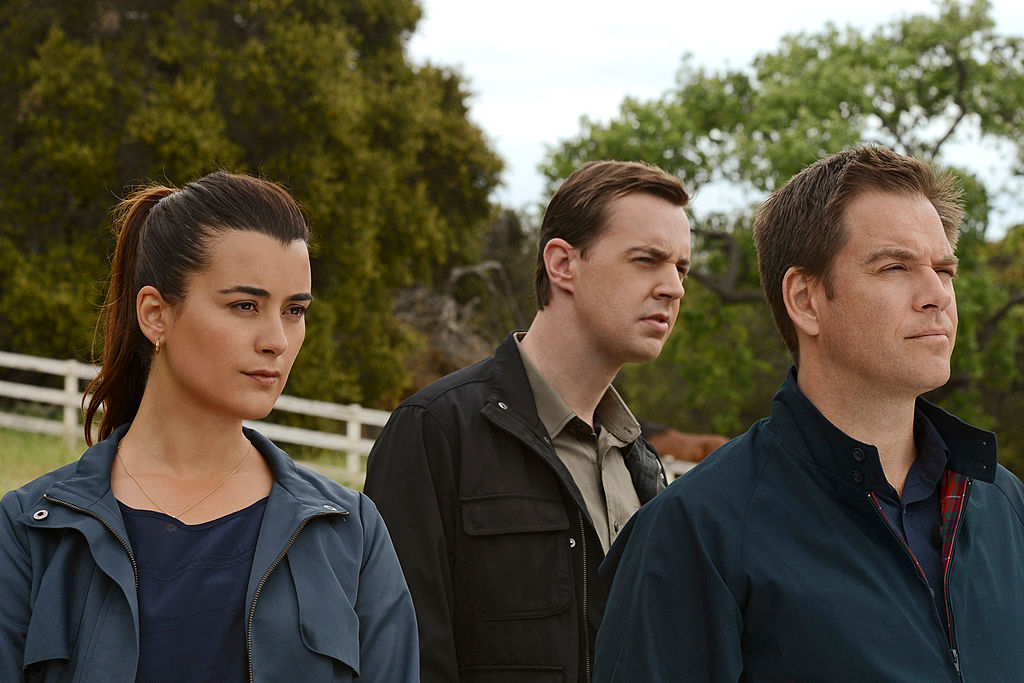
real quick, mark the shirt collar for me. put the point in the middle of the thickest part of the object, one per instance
(932, 457)
(555, 414)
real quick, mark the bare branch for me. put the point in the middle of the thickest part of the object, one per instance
(958, 99)
(989, 326)
(727, 291)
(483, 271)
(725, 285)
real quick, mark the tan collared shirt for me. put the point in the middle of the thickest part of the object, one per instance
(594, 460)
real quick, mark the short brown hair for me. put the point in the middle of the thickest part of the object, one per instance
(802, 224)
(577, 212)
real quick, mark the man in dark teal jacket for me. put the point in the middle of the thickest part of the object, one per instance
(859, 532)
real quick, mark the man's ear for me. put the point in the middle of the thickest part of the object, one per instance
(800, 293)
(559, 260)
(153, 313)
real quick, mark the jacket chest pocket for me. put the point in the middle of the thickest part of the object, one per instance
(517, 556)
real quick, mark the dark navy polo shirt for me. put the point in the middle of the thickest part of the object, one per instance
(917, 516)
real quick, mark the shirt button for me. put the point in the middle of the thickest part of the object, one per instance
(858, 455)
(40, 515)
(616, 525)
(858, 478)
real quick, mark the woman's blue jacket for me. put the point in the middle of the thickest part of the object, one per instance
(326, 598)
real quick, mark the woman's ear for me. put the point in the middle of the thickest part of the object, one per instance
(559, 259)
(800, 292)
(153, 313)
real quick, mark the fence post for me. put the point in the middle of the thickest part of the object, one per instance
(72, 396)
(353, 430)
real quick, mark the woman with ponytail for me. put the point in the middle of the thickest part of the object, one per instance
(182, 546)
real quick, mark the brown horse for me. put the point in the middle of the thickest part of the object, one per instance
(676, 445)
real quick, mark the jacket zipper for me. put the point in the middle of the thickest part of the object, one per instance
(263, 581)
(586, 618)
(124, 544)
(945, 578)
(920, 572)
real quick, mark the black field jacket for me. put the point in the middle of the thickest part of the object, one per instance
(493, 535)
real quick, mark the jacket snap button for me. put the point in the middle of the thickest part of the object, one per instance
(572, 542)
(40, 515)
(858, 455)
(858, 478)
(502, 405)
(331, 508)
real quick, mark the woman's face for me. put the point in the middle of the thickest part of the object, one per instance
(229, 345)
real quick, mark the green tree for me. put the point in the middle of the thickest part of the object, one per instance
(316, 94)
(918, 85)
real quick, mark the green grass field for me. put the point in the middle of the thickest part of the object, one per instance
(25, 456)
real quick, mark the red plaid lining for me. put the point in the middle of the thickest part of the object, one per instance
(953, 497)
(951, 502)
(954, 485)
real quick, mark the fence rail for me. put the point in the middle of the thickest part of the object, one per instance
(351, 437)
(352, 440)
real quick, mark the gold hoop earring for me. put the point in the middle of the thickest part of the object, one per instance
(156, 347)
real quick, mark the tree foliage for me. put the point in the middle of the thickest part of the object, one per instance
(316, 94)
(919, 85)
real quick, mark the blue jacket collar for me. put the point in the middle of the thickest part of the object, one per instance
(309, 492)
(88, 486)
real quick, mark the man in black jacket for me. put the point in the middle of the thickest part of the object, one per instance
(859, 533)
(504, 484)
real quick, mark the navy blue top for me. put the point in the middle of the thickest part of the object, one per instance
(192, 583)
(917, 517)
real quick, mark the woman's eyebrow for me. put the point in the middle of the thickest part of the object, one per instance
(260, 292)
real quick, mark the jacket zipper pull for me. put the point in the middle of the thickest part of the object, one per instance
(956, 660)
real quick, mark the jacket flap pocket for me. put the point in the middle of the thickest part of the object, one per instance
(512, 513)
(328, 622)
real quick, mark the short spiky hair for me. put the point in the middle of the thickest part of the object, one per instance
(802, 224)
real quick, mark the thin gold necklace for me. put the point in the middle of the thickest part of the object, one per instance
(209, 493)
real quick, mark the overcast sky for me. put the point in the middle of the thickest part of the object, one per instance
(535, 66)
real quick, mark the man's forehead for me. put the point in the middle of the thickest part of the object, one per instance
(881, 221)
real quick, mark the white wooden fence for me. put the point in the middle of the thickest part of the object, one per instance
(349, 439)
